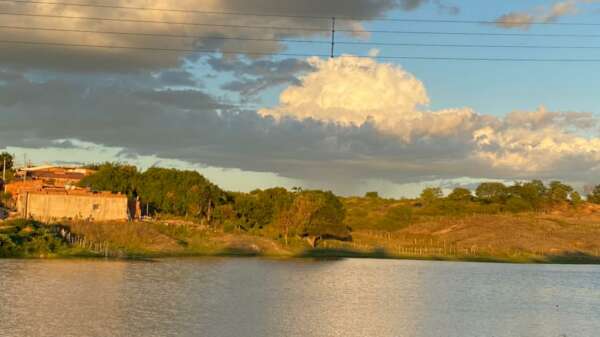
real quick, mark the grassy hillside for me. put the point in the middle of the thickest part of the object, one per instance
(400, 228)
(379, 229)
(525, 222)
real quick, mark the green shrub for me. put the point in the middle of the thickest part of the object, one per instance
(396, 218)
(517, 205)
(25, 238)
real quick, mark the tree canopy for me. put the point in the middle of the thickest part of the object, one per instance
(315, 215)
(492, 192)
(9, 160)
(431, 194)
(164, 190)
(460, 194)
(113, 177)
(594, 196)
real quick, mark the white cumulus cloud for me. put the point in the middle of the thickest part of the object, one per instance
(353, 91)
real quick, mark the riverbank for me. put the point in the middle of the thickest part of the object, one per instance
(504, 238)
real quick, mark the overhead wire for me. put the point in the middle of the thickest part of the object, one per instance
(302, 16)
(283, 40)
(56, 16)
(182, 36)
(308, 29)
(239, 52)
(241, 38)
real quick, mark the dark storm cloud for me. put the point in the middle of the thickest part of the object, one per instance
(253, 77)
(178, 77)
(81, 59)
(192, 126)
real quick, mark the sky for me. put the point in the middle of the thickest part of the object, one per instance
(433, 95)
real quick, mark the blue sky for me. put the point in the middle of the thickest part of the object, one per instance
(304, 124)
(491, 87)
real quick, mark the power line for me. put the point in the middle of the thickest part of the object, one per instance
(409, 32)
(201, 51)
(174, 10)
(204, 51)
(163, 22)
(308, 29)
(454, 45)
(322, 17)
(238, 38)
(182, 36)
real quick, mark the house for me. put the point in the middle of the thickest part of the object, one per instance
(50, 193)
(53, 175)
(54, 204)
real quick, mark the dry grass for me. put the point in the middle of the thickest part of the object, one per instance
(502, 236)
(526, 237)
(168, 239)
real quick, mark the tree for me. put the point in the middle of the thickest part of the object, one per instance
(576, 199)
(516, 204)
(594, 196)
(533, 192)
(179, 192)
(430, 195)
(113, 177)
(315, 215)
(460, 194)
(559, 192)
(165, 190)
(492, 192)
(9, 160)
(372, 195)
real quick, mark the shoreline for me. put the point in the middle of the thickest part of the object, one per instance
(504, 238)
(321, 255)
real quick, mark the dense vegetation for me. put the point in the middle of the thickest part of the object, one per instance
(493, 197)
(6, 165)
(170, 191)
(297, 218)
(317, 215)
(310, 215)
(22, 238)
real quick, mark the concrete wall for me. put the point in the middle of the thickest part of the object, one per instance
(19, 186)
(56, 206)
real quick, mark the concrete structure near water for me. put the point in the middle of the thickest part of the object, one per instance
(53, 205)
(50, 193)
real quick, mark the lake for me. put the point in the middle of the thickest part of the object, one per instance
(256, 297)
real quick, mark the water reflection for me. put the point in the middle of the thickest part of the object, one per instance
(253, 297)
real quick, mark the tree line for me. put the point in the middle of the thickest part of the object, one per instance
(309, 215)
(519, 197)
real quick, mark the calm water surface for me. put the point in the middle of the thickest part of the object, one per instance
(253, 297)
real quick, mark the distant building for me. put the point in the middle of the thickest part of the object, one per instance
(49, 193)
(60, 204)
(53, 175)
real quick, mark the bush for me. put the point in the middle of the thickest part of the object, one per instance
(372, 195)
(594, 197)
(492, 192)
(29, 238)
(460, 194)
(5, 198)
(517, 205)
(396, 218)
(430, 195)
